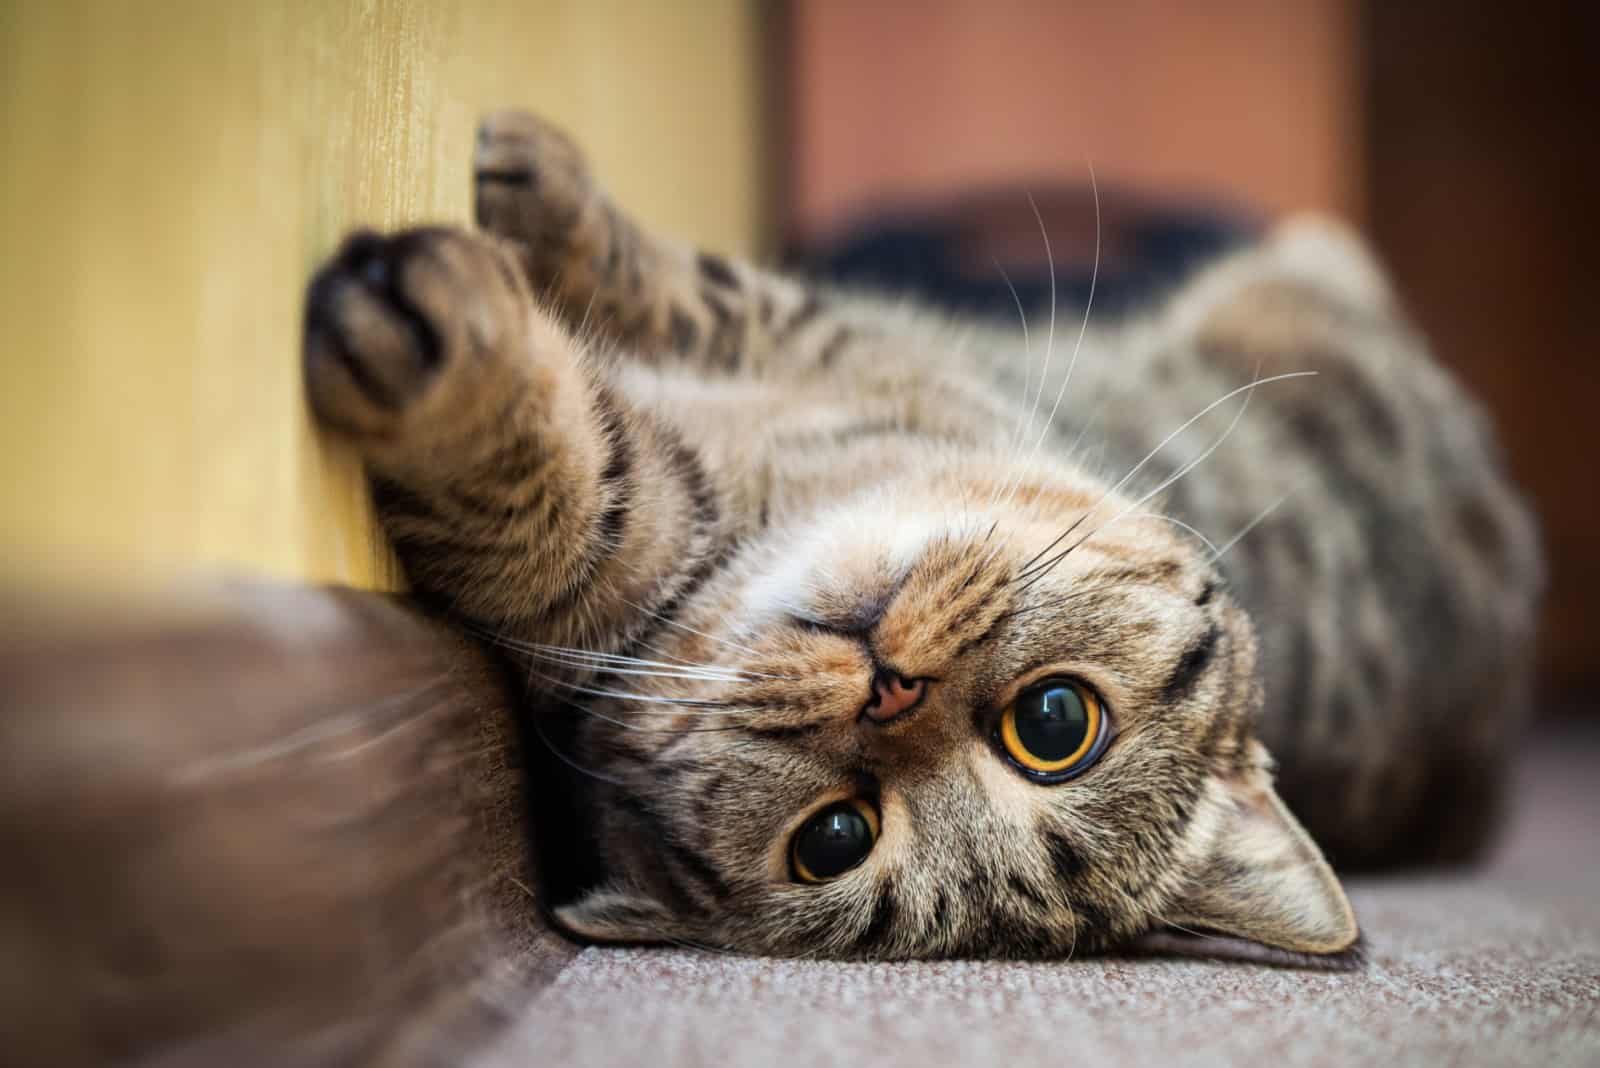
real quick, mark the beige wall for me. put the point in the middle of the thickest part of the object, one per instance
(173, 171)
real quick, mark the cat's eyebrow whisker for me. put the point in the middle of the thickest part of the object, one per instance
(1033, 570)
(1008, 488)
(1192, 464)
(1256, 380)
(1027, 360)
(1248, 527)
(1132, 515)
(1088, 308)
(1181, 525)
(995, 549)
(1065, 598)
(1083, 330)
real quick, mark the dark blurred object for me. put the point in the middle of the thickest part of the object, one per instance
(1482, 179)
(276, 825)
(987, 254)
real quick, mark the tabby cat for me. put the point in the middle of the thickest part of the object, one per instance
(896, 637)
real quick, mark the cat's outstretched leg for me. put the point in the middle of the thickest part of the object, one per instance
(605, 274)
(521, 494)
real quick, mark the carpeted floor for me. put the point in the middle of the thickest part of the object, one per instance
(1495, 966)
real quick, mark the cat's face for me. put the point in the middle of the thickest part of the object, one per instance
(926, 731)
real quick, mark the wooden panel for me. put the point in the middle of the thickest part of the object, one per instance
(174, 169)
(274, 826)
(1256, 100)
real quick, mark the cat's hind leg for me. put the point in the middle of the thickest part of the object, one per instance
(605, 274)
(522, 494)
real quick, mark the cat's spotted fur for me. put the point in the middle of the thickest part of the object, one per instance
(707, 506)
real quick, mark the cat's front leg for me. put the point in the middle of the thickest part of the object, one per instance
(520, 493)
(604, 273)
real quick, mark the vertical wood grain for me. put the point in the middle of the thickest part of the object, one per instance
(173, 171)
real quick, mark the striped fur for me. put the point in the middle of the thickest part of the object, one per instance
(704, 506)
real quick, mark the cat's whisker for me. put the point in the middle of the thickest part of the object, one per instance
(618, 658)
(1192, 464)
(1088, 308)
(613, 670)
(704, 947)
(637, 729)
(639, 667)
(690, 630)
(1190, 931)
(1083, 330)
(615, 663)
(642, 698)
(1180, 524)
(1027, 361)
(533, 721)
(709, 707)
(1008, 488)
(1139, 515)
(1050, 342)
(1061, 600)
(1256, 380)
(1248, 527)
(1033, 569)
(1026, 569)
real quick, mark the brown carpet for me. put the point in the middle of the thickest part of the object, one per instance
(1495, 966)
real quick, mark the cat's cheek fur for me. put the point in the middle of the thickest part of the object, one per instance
(1263, 878)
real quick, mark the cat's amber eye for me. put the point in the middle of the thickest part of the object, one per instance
(1053, 730)
(833, 841)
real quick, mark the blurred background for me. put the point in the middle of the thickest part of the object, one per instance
(173, 171)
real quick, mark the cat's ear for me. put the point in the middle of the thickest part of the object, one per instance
(614, 913)
(1266, 880)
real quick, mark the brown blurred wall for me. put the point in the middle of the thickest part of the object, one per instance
(1256, 100)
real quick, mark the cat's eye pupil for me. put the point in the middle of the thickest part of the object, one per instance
(1052, 722)
(833, 841)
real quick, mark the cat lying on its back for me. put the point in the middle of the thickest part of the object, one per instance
(897, 638)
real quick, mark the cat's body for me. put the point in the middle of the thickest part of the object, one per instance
(788, 550)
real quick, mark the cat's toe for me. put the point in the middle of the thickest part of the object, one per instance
(530, 184)
(387, 317)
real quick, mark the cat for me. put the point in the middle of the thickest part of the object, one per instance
(891, 636)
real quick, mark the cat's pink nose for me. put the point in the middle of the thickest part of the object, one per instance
(893, 694)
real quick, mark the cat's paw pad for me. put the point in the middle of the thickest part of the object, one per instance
(531, 184)
(390, 318)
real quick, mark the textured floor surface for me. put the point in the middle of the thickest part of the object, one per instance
(1496, 966)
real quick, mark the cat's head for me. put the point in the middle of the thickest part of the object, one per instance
(960, 733)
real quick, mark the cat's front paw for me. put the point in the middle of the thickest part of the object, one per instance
(531, 186)
(389, 321)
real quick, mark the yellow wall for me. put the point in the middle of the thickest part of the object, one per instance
(170, 173)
